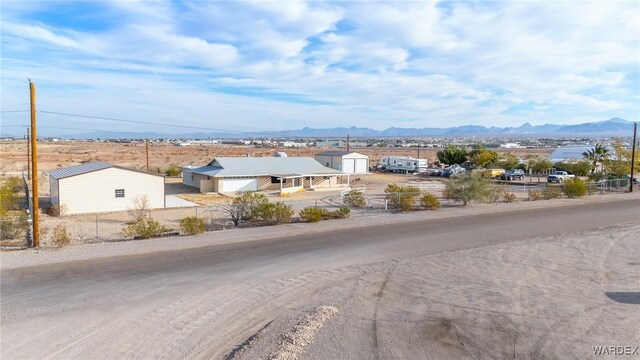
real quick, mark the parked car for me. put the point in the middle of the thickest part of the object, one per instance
(636, 179)
(513, 174)
(453, 170)
(493, 173)
(559, 176)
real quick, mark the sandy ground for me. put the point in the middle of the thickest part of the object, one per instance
(54, 155)
(545, 297)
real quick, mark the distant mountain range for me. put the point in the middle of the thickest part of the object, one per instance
(611, 127)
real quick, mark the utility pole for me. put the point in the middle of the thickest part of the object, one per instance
(28, 155)
(347, 142)
(633, 156)
(418, 150)
(35, 216)
(146, 148)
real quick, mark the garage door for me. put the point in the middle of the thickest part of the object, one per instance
(361, 166)
(349, 166)
(233, 185)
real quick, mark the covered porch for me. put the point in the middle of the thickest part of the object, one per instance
(290, 183)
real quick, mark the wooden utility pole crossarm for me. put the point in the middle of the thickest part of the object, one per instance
(34, 168)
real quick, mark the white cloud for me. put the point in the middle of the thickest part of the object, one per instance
(304, 63)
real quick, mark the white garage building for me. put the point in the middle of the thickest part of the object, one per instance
(283, 174)
(102, 187)
(346, 161)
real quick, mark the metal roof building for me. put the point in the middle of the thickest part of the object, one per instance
(346, 161)
(102, 187)
(286, 174)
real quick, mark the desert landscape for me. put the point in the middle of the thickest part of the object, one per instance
(53, 155)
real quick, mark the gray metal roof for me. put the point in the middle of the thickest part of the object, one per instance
(266, 166)
(206, 170)
(87, 168)
(78, 169)
(334, 153)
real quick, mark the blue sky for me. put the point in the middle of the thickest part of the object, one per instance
(270, 65)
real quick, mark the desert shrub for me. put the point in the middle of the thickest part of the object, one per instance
(250, 202)
(574, 188)
(535, 195)
(313, 214)
(430, 202)
(355, 198)
(494, 194)
(192, 225)
(273, 214)
(509, 197)
(173, 170)
(402, 197)
(60, 237)
(9, 189)
(551, 192)
(467, 189)
(144, 228)
(56, 210)
(340, 213)
(13, 227)
(139, 208)
(597, 176)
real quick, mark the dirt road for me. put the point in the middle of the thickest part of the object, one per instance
(538, 283)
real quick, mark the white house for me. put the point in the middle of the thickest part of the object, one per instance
(283, 174)
(103, 187)
(346, 161)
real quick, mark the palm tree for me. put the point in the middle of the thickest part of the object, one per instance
(596, 155)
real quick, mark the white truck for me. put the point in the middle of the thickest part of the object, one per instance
(402, 164)
(559, 176)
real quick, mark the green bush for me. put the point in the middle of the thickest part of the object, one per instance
(467, 189)
(9, 194)
(60, 237)
(402, 197)
(250, 203)
(13, 227)
(340, 213)
(192, 225)
(355, 198)
(597, 176)
(173, 170)
(579, 168)
(551, 192)
(144, 228)
(273, 214)
(313, 214)
(574, 188)
(430, 202)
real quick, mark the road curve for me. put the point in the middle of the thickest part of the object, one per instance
(136, 306)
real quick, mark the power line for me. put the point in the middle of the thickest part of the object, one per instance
(138, 121)
(14, 111)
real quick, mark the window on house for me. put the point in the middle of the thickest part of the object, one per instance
(119, 193)
(327, 164)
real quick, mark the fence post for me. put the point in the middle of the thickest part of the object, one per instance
(97, 230)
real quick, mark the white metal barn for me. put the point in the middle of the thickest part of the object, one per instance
(283, 174)
(103, 187)
(346, 161)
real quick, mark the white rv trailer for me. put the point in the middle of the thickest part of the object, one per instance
(403, 164)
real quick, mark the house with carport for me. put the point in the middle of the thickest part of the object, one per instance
(280, 174)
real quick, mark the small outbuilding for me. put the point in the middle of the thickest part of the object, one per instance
(348, 162)
(102, 187)
(283, 174)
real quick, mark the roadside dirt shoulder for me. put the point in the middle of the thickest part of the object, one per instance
(33, 257)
